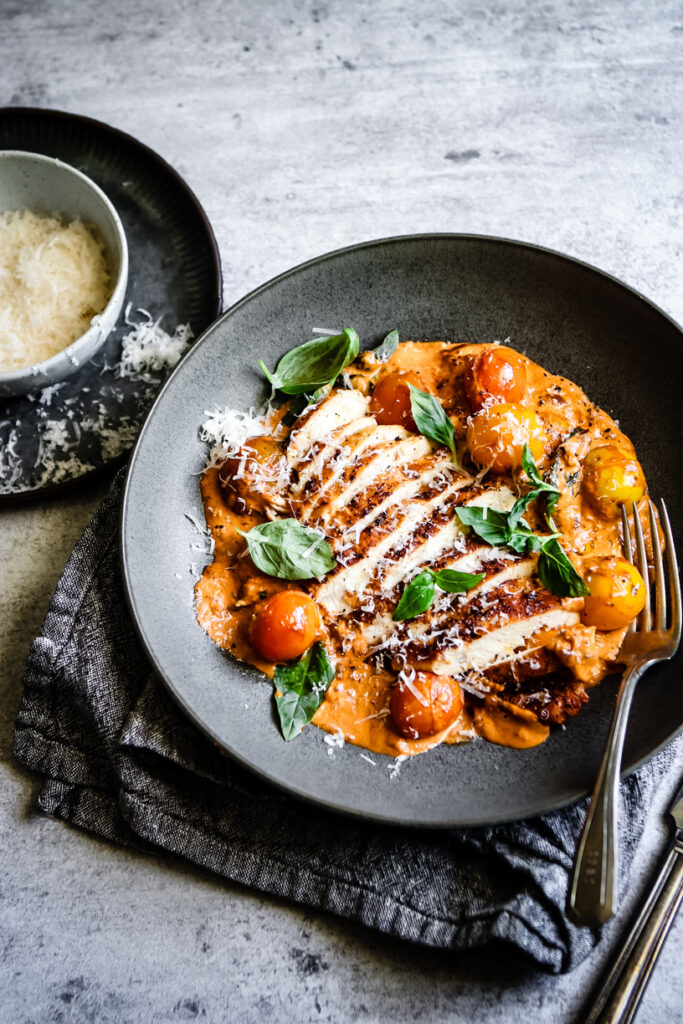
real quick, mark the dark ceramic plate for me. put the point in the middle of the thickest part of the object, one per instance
(92, 419)
(572, 319)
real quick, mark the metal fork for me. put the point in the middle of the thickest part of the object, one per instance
(592, 893)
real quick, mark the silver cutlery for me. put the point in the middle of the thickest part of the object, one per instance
(623, 987)
(593, 888)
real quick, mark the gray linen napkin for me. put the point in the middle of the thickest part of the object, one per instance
(120, 760)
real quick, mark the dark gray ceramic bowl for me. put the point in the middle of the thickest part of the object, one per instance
(572, 319)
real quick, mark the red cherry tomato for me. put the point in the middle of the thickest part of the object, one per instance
(427, 705)
(390, 401)
(497, 374)
(285, 626)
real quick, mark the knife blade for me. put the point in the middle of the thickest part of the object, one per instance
(627, 980)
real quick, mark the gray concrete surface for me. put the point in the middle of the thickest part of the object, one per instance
(304, 125)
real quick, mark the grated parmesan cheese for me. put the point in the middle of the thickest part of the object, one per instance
(67, 429)
(53, 280)
(226, 430)
(148, 348)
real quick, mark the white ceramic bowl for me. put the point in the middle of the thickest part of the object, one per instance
(48, 186)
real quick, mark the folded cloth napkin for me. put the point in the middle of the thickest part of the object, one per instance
(120, 760)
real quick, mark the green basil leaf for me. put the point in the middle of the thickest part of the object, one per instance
(288, 550)
(531, 469)
(551, 492)
(416, 598)
(300, 689)
(387, 348)
(557, 573)
(431, 419)
(454, 582)
(551, 504)
(487, 523)
(522, 541)
(521, 505)
(315, 364)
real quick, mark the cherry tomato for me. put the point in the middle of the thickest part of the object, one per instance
(617, 594)
(497, 374)
(611, 477)
(252, 473)
(390, 401)
(429, 704)
(285, 626)
(497, 434)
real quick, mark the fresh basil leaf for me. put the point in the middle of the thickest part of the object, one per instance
(551, 504)
(557, 573)
(288, 550)
(454, 582)
(419, 594)
(541, 487)
(387, 348)
(531, 469)
(522, 541)
(431, 419)
(315, 364)
(416, 598)
(521, 505)
(487, 523)
(300, 689)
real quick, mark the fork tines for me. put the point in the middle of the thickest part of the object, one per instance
(671, 635)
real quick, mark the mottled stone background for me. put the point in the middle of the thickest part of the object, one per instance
(303, 126)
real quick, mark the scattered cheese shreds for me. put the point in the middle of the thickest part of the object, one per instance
(68, 429)
(148, 348)
(226, 430)
(54, 279)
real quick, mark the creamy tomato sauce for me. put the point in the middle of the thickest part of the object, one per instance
(357, 704)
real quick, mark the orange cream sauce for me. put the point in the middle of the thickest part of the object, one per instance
(357, 702)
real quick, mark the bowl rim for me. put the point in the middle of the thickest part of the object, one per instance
(292, 789)
(55, 362)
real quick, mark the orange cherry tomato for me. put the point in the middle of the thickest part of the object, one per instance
(390, 400)
(611, 477)
(429, 704)
(496, 436)
(285, 626)
(498, 374)
(617, 594)
(252, 473)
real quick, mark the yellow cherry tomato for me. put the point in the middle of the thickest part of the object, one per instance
(497, 434)
(611, 477)
(617, 594)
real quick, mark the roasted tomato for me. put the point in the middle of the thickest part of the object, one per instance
(497, 374)
(390, 400)
(610, 478)
(252, 474)
(285, 626)
(617, 594)
(497, 434)
(426, 705)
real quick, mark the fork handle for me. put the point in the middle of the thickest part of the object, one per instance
(592, 893)
(623, 987)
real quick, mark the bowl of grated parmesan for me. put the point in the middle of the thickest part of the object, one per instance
(63, 270)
